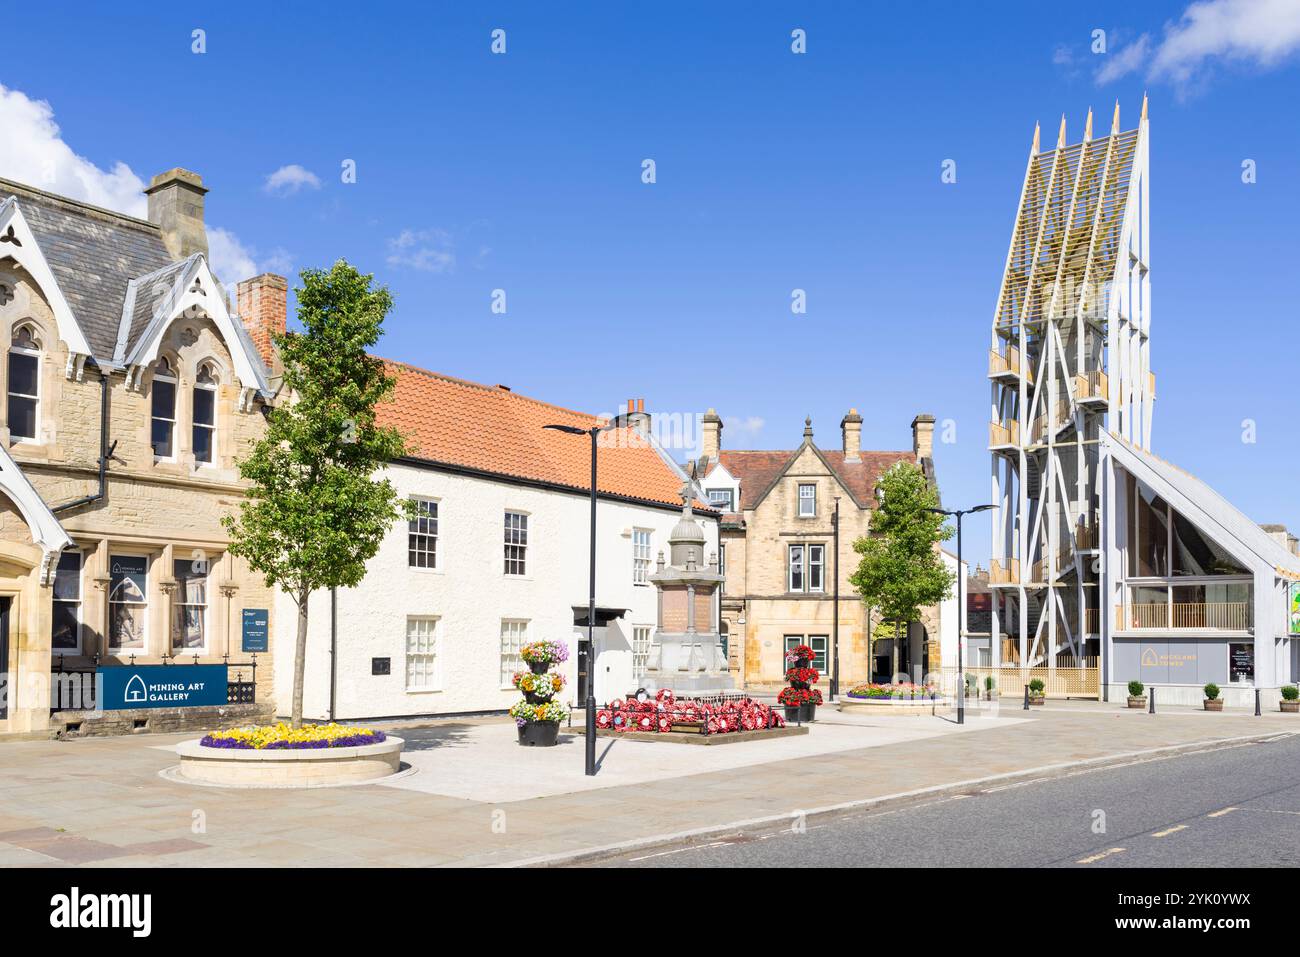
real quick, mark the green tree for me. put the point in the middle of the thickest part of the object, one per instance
(316, 512)
(901, 570)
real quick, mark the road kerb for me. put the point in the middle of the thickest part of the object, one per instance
(1045, 771)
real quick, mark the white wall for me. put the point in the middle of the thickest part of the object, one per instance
(470, 595)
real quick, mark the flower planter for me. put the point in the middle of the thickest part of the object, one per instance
(1137, 702)
(287, 767)
(803, 713)
(1290, 707)
(1040, 699)
(539, 734)
(1213, 704)
(532, 697)
(539, 667)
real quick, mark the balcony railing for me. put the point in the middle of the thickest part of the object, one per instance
(1218, 615)
(1092, 621)
(1091, 386)
(1085, 537)
(1001, 435)
(1004, 576)
(1009, 365)
(1038, 433)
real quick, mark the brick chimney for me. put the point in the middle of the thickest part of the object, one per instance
(923, 436)
(176, 205)
(711, 435)
(851, 429)
(262, 304)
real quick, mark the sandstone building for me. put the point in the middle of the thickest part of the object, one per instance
(130, 389)
(777, 554)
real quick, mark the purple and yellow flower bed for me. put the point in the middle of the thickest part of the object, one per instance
(281, 736)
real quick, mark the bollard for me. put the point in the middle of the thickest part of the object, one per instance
(1258, 713)
(1151, 702)
(961, 704)
(1026, 697)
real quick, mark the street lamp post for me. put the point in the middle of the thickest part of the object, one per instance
(835, 626)
(589, 705)
(958, 513)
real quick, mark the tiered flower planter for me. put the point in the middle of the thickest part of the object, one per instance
(800, 699)
(539, 715)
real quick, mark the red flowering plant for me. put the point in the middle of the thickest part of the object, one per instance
(794, 697)
(798, 651)
(806, 676)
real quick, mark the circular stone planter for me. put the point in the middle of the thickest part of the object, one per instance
(288, 767)
(889, 706)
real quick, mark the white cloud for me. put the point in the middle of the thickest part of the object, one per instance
(427, 250)
(742, 428)
(1260, 33)
(288, 180)
(229, 258)
(33, 152)
(1125, 60)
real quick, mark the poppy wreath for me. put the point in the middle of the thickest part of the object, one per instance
(645, 722)
(665, 723)
(619, 721)
(666, 696)
(604, 718)
(748, 721)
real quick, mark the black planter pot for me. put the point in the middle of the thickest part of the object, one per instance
(792, 714)
(539, 667)
(800, 685)
(808, 712)
(539, 734)
(532, 697)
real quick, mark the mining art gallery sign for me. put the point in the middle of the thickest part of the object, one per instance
(162, 686)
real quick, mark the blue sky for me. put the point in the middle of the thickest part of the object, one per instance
(775, 172)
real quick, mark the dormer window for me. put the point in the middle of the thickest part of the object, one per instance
(163, 428)
(24, 385)
(205, 414)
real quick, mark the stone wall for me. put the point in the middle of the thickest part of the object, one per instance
(167, 511)
(84, 724)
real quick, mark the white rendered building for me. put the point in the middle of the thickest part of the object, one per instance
(498, 558)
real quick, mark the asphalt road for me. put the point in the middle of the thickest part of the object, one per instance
(1231, 806)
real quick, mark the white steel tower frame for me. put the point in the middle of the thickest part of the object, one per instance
(1069, 357)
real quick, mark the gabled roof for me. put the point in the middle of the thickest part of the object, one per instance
(1211, 512)
(492, 430)
(44, 526)
(759, 471)
(93, 254)
(112, 285)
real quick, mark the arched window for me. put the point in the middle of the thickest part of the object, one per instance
(205, 413)
(24, 385)
(163, 428)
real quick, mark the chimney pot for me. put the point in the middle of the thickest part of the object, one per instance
(176, 205)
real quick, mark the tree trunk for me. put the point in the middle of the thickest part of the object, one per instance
(299, 663)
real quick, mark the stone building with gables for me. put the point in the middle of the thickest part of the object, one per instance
(777, 554)
(130, 389)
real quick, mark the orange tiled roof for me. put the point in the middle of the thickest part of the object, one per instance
(492, 429)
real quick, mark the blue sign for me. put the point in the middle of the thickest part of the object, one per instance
(256, 630)
(162, 686)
